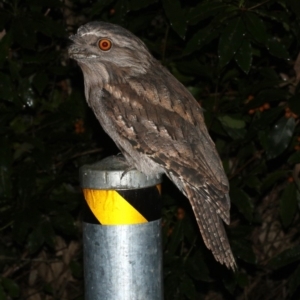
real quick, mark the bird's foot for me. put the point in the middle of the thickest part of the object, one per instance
(130, 168)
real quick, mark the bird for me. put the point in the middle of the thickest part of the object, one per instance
(155, 122)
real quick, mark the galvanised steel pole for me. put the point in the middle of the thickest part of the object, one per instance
(121, 232)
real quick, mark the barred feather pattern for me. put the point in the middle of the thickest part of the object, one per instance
(156, 123)
(211, 228)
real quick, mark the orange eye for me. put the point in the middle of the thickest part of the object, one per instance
(104, 44)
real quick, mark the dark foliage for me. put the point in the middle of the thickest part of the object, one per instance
(238, 58)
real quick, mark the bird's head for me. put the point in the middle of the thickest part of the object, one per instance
(109, 52)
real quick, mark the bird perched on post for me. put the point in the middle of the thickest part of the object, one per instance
(155, 122)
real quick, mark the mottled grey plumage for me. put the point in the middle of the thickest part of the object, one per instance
(156, 123)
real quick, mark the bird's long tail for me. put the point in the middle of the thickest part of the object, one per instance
(212, 228)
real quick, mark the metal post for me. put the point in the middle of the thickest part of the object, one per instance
(121, 232)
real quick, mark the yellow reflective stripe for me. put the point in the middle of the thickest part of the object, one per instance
(158, 186)
(110, 208)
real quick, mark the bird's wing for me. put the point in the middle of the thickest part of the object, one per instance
(212, 229)
(172, 132)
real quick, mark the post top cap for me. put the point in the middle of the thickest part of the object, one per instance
(113, 172)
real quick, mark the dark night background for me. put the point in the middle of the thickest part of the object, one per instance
(240, 61)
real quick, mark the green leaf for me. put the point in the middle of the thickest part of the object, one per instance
(255, 27)
(187, 288)
(230, 40)
(234, 127)
(172, 279)
(230, 283)
(176, 15)
(197, 268)
(294, 281)
(280, 137)
(272, 179)
(294, 158)
(48, 288)
(48, 26)
(205, 35)
(288, 205)
(201, 38)
(294, 104)
(5, 167)
(205, 10)
(231, 122)
(236, 134)
(4, 18)
(243, 57)
(138, 4)
(235, 279)
(40, 58)
(242, 279)
(76, 269)
(270, 95)
(48, 233)
(229, 75)
(11, 287)
(280, 16)
(26, 180)
(175, 238)
(23, 30)
(277, 48)
(3, 296)
(24, 148)
(189, 231)
(35, 239)
(295, 6)
(243, 250)
(5, 46)
(285, 258)
(263, 123)
(243, 202)
(6, 87)
(253, 182)
(52, 3)
(20, 232)
(40, 81)
(95, 8)
(64, 222)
